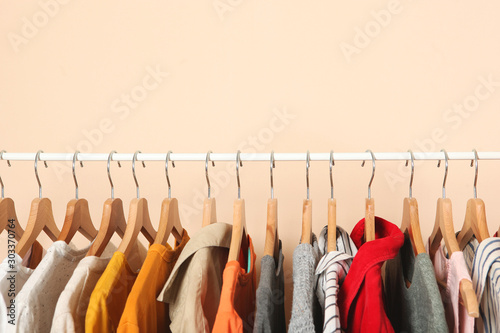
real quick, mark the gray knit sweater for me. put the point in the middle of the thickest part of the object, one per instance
(306, 312)
(418, 308)
(270, 313)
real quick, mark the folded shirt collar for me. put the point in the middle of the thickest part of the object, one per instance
(345, 249)
(213, 235)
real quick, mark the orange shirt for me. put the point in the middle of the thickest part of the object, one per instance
(143, 313)
(236, 311)
(110, 295)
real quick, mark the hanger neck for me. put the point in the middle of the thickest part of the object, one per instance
(209, 212)
(410, 223)
(332, 225)
(369, 220)
(239, 235)
(306, 237)
(271, 247)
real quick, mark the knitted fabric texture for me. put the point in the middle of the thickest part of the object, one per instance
(270, 316)
(306, 313)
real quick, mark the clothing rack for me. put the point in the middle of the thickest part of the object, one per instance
(350, 156)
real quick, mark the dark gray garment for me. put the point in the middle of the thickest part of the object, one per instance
(418, 308)
(306, 311)
(270, 316)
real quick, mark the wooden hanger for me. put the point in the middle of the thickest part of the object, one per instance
(474, 223)
(410, 222)
(170, 222)
(113, 219)
(40, 218)
(332, 225)
(332, 213)
(271, 246)
(239, 234)
(370, 206)
(475, 217)
(306, 237)
(239, 239)
(77, 217)
(443, 228)
(8, 216)
(209, 211)
(138, 219)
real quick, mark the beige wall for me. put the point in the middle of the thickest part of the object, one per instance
(255, 76)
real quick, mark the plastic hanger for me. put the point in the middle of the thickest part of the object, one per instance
(138, 218)
(239, 238)
(8, 216)
(332, 212)
(170, 222)
(410, 222)
(113, 219)
(271, 246)
(307, 209)
(443, 228)
(370, 206)
(475, 216)
(77, 215)
(41, 218)
(209, 211)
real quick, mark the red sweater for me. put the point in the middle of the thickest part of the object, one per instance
(361, 302)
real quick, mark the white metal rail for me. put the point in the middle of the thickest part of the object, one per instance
(337, 156)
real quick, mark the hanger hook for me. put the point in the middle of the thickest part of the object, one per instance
(332, 163)
(308, 162)
(110, 158)
(412, 157)
(206, 170)
(8, 163)
(166, 172)
(373, 173)
(238, 164)
(37, 157)
(134, 158)
(75, 158)
(474, 161)
(445, 171)
(273, 165)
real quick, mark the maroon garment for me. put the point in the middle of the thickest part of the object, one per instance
(361, 302)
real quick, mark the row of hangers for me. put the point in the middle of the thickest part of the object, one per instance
(77, 218)
(474, 225)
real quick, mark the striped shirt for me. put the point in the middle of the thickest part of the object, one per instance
(330, 272)
(483, 262)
